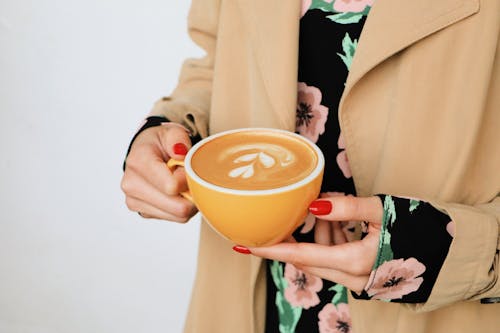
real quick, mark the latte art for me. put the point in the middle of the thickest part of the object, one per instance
(253, 161)
(248, 171)
(267, 156)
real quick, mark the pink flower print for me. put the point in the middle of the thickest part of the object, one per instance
(303, 288)
(335, 319)
(311, 115)
(395, 278)
(342, 160)
(305, 6)
(353, 6)
(450, 227)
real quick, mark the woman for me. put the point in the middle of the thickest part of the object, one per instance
(418, 118)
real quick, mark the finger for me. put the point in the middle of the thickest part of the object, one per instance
(348, 208)
(137, 188)
(338, 236)
(149, 211)
(323, 232)
(351, 282)
(353, 257)
(175, 141)
(147, 160)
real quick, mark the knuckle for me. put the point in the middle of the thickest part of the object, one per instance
(295, 257)
(136, 160)
(184, 212)
(360, 265)
(128, 186)
(162, 132)
(351, 202)
(131, 204)
(125, 185)
(171, 187)
(182, 219)
(132, 161)
(351, 206)
(357, 268)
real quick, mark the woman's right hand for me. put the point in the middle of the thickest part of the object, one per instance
(150, 188)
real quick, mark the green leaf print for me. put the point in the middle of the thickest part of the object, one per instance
(346, 18)
(321, 4)
(384, 248)
(277, 274)
(385, 252)
(340, 295)
(349, 17)
(389, 210)
(414, 204)
(349, 47)
(288, 315)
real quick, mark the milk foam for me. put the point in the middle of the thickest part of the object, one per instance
(254, 160)
(247, 157)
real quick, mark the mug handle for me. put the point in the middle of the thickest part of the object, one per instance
(172, 165)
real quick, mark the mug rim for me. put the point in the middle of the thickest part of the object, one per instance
(311, 176)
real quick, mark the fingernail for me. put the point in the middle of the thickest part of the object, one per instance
(320, 207)
(180, 149)
(241, 249)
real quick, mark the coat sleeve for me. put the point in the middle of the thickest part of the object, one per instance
(471, 269)
(189, 103)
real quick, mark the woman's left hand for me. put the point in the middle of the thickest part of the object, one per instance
(347, 263)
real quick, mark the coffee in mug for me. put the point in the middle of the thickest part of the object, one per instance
(253, 185)
(254, 160)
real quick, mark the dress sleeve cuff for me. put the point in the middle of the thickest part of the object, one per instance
(414, 241)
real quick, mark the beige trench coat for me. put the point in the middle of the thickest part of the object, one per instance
(420, 116)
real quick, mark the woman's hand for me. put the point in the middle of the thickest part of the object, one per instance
(151, 189)
(347, 263)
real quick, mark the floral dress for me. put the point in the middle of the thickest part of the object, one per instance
(404, 270)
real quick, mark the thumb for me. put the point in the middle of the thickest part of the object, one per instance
(175, 141)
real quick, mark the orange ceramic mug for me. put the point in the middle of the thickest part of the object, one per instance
(253, 185)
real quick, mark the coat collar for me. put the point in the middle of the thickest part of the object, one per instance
(392, 25)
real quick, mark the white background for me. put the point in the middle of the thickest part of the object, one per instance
(76, 78)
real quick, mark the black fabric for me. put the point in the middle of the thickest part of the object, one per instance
(320, 66)
(418, 231)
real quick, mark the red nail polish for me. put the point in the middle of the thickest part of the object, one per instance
(180, 149)
(320, 207)
(241, 249)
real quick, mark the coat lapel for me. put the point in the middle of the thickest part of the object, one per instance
(393, 25)
(273, 31)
